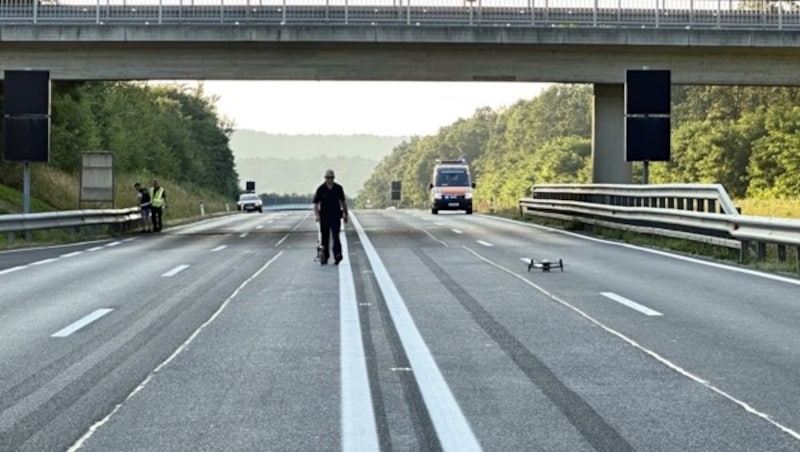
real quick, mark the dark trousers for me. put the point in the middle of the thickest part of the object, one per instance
(330, 226)
(157, 212)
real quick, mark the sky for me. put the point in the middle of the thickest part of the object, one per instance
(350, 107)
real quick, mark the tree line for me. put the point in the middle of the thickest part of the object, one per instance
(166, 131)
(746, 138)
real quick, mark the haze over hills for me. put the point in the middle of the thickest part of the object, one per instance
(287, 164)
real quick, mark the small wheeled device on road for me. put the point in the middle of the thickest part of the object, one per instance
(545, 264)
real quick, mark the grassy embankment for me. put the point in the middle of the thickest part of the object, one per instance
(53, 190)
(779, 208)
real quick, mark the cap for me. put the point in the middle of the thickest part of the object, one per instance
(329, 173)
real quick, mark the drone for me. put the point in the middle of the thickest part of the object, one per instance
(545, 264)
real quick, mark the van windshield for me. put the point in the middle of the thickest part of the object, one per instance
(452, 178)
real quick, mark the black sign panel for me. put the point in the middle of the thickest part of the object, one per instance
(396, 189)
(26, 138)
(27, 92)
(250, 185)
(647, 92)
(647, 138)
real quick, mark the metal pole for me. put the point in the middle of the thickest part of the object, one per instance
(26, 192)
(646, 172)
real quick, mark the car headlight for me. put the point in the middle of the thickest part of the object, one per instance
(468, 195)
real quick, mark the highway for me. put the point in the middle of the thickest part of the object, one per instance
(430, 335)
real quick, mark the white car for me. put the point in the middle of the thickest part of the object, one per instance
(248, 202)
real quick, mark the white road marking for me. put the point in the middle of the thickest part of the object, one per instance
(219, 248)
(359, 432)
(457, 231)
(243, 235)
(13, 269)
(484, 243)
(95, 248)
(45, 261)
(651, 353)
(175, 271)
(113, 244)
(281, 240)
(72, 254)
(438, 224)
(81, 323)
(260, 226)
(78, 444)
(630, 303)
(746, 271)
(452, 428)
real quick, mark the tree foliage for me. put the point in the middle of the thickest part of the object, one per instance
(163, 131)
(744, 137)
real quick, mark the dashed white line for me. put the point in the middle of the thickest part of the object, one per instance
(175, 271)
(484, 243)
(260, 226)
(457, 231)
(81, 323)
(44, 261)
(72, 254)
(96, 248)
(630, 303)
(219, 248)
(113, 244)
(243, 235)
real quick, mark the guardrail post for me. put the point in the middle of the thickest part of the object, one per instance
(761, 250)
(744, 251)
(202, 210)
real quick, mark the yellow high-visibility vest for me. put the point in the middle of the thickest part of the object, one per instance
(158, 197)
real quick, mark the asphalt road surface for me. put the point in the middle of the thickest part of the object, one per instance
(432, 334)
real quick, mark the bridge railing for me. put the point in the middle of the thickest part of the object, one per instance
(697, 212)
(683, 14)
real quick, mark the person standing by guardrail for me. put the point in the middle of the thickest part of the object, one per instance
(158, 202)
(144, 204)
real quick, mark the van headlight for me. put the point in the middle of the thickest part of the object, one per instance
(468, 195)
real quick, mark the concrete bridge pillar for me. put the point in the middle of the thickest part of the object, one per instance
(608, 136)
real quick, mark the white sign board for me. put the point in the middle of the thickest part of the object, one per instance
(97, 176)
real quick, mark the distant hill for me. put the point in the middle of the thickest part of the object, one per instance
(255, 144)
(287, 164)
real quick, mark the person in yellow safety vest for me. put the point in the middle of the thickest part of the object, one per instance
(158, 200)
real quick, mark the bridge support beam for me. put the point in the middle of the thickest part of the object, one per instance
(608, 136)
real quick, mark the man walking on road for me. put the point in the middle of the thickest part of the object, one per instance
(330, 208)
(144, 204)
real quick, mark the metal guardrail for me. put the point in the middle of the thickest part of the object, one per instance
(122, 219)
(697, 212)
(675, 14)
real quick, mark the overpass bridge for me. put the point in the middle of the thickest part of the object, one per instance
(581, 41)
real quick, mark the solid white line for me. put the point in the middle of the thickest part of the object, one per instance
(81, 323)
(451, 426)
(630, 303)
(175, 270)
(13, 269)
(457, 231)
(359, 432)
(45, 261)
(143, 384)
(652, 354)
(219, 248)
(72, 254)
(281, 240)
(484, 243)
